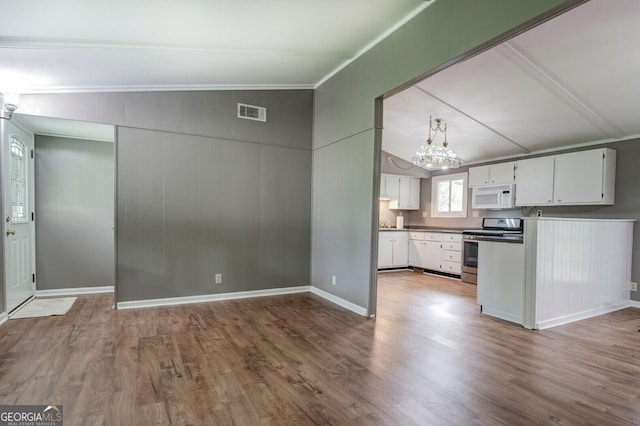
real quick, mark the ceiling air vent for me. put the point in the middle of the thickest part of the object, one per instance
(252, 112)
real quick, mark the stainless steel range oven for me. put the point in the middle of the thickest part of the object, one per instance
(493, 229)
(469, 261)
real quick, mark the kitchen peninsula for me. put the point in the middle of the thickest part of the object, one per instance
(568, 270)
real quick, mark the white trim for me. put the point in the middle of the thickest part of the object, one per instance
(3, 318)
(169, 301)
(375, 41)
(464, 176)
(582, 315)
(634, 304)
(503, 315)
(340, 301)
(73, 291)
(166, 88)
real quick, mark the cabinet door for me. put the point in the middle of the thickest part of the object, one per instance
(501, 173)
(404, 194)
(401, 251)
(432, 255)
(478, 176)
(385, 252)
(534, 181)
(389, 187)
(414, 194)
(409, 196)
(383, 186)
(578, 177)
(416, 249)
(451, 267)
(393, 187)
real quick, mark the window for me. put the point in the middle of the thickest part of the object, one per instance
(18, 168)
(449, 195)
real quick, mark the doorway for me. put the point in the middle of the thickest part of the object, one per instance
(18, 198)
(72, 207)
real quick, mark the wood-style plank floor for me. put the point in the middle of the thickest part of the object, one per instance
(430, 358)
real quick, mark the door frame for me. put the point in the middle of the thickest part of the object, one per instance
(32, 224)
(558, 10)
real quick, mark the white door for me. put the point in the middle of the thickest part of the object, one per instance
(18, 226)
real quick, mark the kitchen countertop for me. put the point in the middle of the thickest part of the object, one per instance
(427, 229)
(517, 239)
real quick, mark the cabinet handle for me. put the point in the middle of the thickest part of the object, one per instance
(559, 201)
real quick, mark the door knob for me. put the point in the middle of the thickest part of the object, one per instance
(11, 232)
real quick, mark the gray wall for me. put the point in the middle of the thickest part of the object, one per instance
(75, 207)
(343, 133)
(190, 207)
(200, 191)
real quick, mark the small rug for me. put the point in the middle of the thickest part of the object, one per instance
(44, 308)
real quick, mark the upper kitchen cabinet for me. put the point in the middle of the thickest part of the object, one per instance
(494, 174)
(534, 181)
(585, 177)
(389, 187)
(408, 194)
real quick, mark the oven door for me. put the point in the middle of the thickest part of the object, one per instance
(469, 261)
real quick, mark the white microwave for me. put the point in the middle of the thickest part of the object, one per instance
(493, 197)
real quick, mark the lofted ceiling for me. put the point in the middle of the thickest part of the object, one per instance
(573, 80)
(116, 45)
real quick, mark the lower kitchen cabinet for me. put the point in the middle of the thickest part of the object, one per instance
(436, 251)
(393, 249)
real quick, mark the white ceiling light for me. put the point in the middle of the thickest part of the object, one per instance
(431, 156)
(8, 104)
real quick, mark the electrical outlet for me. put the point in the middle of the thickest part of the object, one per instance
(424, 214)
(539, 213)
(218, 278)
(634, 286)
(333, 280)
(474, 213)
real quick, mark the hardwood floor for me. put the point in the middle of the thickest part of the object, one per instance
(429, 358)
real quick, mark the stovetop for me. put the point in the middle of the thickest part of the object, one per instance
(496, 228)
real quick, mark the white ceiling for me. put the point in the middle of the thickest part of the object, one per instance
(109, 45)
(573, 80)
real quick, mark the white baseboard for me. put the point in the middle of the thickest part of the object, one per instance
(507, 316)
(74, 291)
(3, 318)
(148, 303)
(635, 304)
(541, 325)
(340, 301)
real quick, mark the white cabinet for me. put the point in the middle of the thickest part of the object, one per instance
(494, 174)
(408, 194)
(534, 181)
(451, 254)
(435, 251)
(501, 278)
(389, 187)
(393, 249)
(585, 177)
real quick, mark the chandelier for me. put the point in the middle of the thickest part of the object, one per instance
(436, 157)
